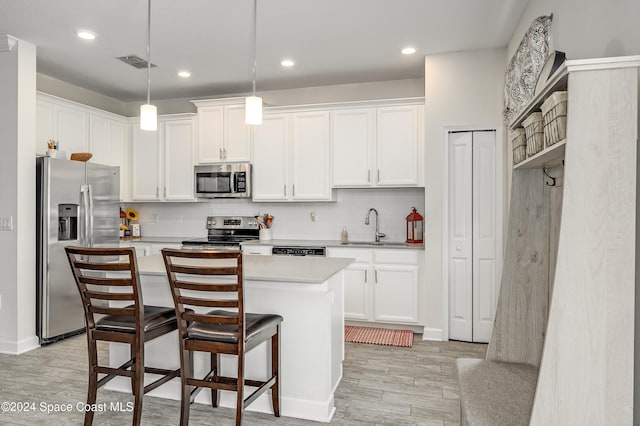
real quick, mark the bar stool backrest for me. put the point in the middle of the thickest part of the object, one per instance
(204, 280)
(89, 267)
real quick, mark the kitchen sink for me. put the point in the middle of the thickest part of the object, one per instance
(373, 243)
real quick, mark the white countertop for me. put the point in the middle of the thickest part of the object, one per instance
(334, 243)
(307, 269)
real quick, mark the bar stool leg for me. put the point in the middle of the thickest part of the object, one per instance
(240, 390)
(275, 367)
(186, 372)
(138, 383)
(214, 367)
(92, 388)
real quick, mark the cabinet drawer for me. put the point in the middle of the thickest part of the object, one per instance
(399, 257)
(360, 255)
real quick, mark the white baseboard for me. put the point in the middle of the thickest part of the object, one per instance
(19, 347)
(433, 334)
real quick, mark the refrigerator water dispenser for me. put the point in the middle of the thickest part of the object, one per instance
(67, 222)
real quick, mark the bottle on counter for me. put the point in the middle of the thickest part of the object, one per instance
(345, 235)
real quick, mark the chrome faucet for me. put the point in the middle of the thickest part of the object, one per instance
(366, 222)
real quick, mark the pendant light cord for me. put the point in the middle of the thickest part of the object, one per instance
(149, 53)
(255, 24)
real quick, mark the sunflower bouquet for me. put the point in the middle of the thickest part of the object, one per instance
(128, 216)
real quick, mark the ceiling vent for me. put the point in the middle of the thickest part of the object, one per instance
(136, 61)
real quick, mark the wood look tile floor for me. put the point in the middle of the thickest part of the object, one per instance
(381, 385)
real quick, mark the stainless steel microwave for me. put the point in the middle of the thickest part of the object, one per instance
(223, 180)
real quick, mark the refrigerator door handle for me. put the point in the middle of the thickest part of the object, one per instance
(86, 208)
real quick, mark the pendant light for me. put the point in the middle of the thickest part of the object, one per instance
(253, 103)
(148, 112)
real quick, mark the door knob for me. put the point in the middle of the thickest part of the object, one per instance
(459, 248)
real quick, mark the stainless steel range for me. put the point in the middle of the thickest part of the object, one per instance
(226, 232)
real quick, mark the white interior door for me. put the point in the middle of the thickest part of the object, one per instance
(460, 236)
(485, 272)
(474, 238)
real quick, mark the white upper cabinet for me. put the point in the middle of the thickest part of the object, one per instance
(397, 145)
(80, 128)
(178, 159)
(291, 157)
(270, 158)
(310, 154)
(162, 161)
(63, 121)
(353, 139)
(223, 134)
(378, 146)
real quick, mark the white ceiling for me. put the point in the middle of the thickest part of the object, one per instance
(332, 41)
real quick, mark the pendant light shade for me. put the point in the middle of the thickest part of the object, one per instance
(253, 110)
(148, 112)
(148, 117)
(253, 103)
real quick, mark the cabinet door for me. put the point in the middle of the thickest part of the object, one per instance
(178, 160)
(395, 293)
(356, 292)
(353, 142)
(210, 134)
(145, 164)
(99, 139)
(237, 134)
(120, 155)
(72, 129)
(270, 159)
(310, 162)
(44, 125)
(397, 146)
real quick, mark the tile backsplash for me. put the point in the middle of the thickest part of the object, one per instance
(292, 220)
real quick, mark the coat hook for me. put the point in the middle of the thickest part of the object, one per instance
(553, 180)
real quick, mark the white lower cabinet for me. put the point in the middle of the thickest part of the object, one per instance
(261, 250)
(381, 285)
(147, 249)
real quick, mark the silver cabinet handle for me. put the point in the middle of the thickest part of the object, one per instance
(378, 181)
(285, 190)
(375, 272)
(294, 189)
(369, 176)
(157, 192)
(365, 276)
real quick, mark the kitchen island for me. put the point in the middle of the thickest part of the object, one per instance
(307, 291)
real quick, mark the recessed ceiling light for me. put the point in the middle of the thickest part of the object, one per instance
(86, 35)
(287, 63)
(409, 50)
(184, 74)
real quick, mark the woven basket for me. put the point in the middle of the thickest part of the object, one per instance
(534, 133)
(554, 113)
(519, 144)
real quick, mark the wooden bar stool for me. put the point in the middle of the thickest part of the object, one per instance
(192, 274)
(134, 324)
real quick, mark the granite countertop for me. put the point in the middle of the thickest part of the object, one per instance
(309, 269)
(334, 243)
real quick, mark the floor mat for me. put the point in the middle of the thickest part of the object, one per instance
(378, 336)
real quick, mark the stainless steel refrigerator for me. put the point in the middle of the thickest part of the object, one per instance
(77, 204)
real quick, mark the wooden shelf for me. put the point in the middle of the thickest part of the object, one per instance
(558, 81)
(548, 157)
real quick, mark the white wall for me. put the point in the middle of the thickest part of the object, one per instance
(292, 220)
(586, 28)
(461, 89)
(17, 197)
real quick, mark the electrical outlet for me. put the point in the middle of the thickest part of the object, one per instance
(313, 216)
(6, 223)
